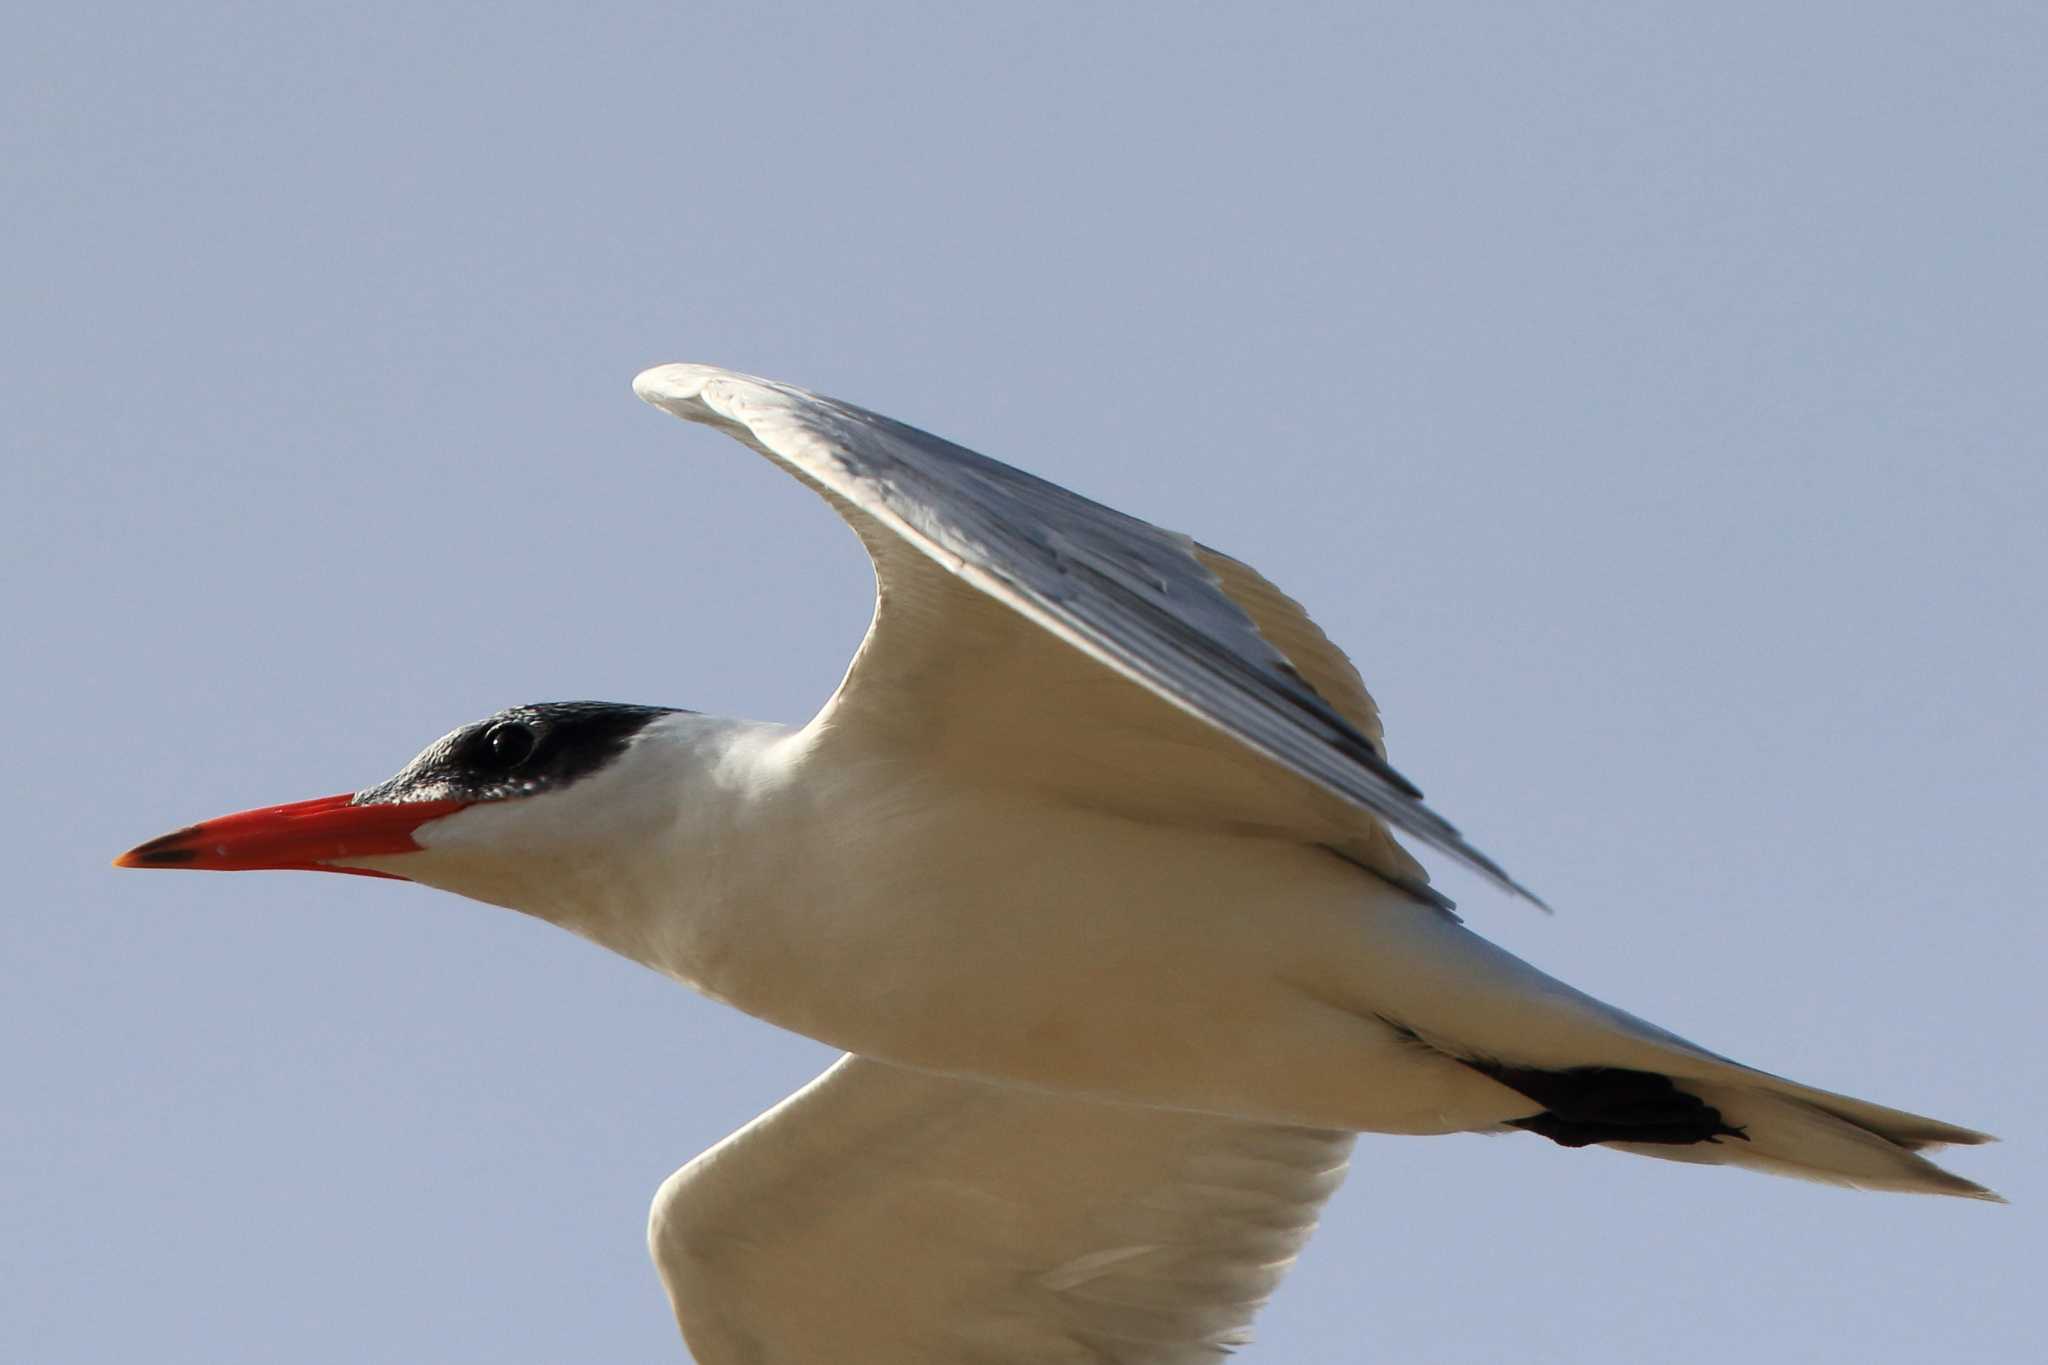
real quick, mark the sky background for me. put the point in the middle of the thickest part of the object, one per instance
(1649, 396)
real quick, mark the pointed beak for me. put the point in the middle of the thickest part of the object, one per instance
(306, 835)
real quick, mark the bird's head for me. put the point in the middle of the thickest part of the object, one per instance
(514, 809)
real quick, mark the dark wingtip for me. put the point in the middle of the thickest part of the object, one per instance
(1498, 875)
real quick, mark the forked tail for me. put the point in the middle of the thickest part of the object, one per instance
(1593, 1073)
(1765, 1123)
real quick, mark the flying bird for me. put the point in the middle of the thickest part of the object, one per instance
(1090, 866)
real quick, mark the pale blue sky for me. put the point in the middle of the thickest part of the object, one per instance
(1649, 396)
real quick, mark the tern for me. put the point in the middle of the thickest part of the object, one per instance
(1089, 866)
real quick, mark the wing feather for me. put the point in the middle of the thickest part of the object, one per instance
(885, 1214)
(1128, 596)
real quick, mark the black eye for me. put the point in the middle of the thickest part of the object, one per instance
(508, 745)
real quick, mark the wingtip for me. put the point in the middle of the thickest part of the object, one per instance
(1499, 876)
(667, 386)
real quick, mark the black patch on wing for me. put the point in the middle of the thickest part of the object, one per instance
(492, 760)
(1588, 1104)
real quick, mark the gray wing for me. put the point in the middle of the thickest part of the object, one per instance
(1128, 594)
(881, 1214)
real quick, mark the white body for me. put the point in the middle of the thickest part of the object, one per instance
(1010, 937)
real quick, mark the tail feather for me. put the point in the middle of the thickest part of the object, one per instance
(1911, 1131)
(1593, 1072)
(1839, 1144)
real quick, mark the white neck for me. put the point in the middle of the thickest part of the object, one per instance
(673, 855)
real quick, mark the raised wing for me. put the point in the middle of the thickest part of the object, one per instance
(881, 1214)
(964, 545)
